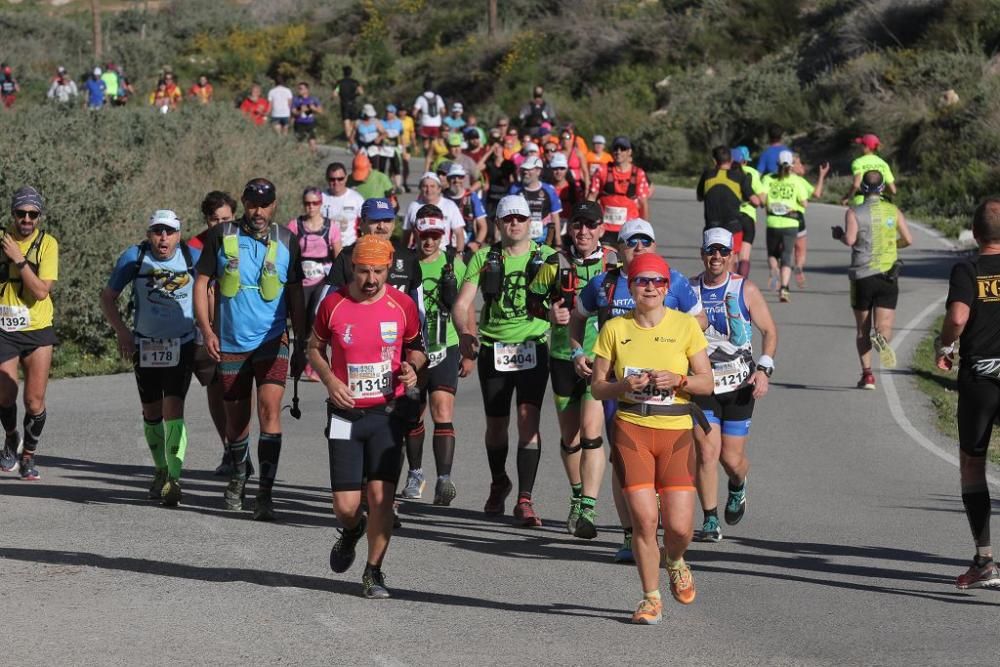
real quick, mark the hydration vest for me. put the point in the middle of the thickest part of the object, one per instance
(608, 187)
(269, 283)
(6, 278)
(301, 233)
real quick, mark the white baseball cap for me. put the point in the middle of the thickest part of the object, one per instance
(456, 170)
(557, 161)
(530, 147)
(432, 224)
(786, 158)
(635, 227)
(457, 106)
(598, 139)
(533, 162)
(513, 205)
(717, 236)
(165, 217)
(368, 111)
(430, 175)
(97, 71)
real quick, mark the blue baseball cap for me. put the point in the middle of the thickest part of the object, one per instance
(377, 209)
(740, 154)
(390, 108)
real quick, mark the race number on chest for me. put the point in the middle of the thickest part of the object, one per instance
(509, 357)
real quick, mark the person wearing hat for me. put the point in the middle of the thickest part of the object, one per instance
(874, 232)
(366, 345)
(368, 132)
(543, 201)
(370, 183)
(511, 350)
(733, 305)
(432, 192)
(598, 157)
(499, 173)
(29, 267)
(767, 162)
(63, 87)
(470, 207)
(621, 188)
(556, 174)
(552, 295)
(537, 112)
(280, 99)
(96, 90)
(529, 149)
(257, 266)
(454, 122)
(393, 166)
(442, 271)
(474, 144)
(802, 239)
(724, 188)
(748, 210)
(607, 296)
(653, 361)
(576, 159)
(428, 110)
(869, 160)
(456, 155)
(341, 203)
(472, 124)
(161, 343)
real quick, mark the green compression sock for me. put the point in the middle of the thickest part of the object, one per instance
(176, 446)
(155, 440)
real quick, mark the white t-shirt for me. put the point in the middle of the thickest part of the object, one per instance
(345, 211)
(452, 217)
(281, 102)
(430, 117)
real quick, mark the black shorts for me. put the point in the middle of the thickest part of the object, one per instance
(498, 387)
(569, 388)
(155, 384)
(22, 343)
(205, 368)
(304, 132)
(749, 227)
(781, 243)
(374, 452)
(444, 376)
(731, 411)
(802, 227)
(874, 292)
(349, 110)
(281, 122)
(978, 407)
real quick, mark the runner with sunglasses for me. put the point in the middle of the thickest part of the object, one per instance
(607, 295)
(732, 304)
(621, 188)
(29, 266)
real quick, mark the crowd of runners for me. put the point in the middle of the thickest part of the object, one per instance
(528, 257)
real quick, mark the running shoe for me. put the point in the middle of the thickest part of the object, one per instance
(498, 494)
(235, 493)
(444, 491)
(415, 483)
(979, 576)
(342, 553)
(736, 505)
(885, 352)
(8, 455)
(586, 527)
(772, 282)
(373, 585)
(710, 530)
(624, 553)
(681, 583)
(574, 515)
(28, 470)
(159, 480)
(784, 296)
(171, 493)
(225, 469)
(800, 277)
(524, 513)
(649, 612)
(263, 508)
(867, 381)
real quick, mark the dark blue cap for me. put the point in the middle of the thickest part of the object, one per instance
(378, 209)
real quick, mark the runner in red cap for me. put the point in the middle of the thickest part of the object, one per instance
(868, 161)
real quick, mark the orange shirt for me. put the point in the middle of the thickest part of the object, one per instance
(203, 93)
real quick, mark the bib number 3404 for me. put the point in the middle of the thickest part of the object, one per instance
(508, 357)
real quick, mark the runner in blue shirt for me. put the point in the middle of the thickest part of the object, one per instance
(96, 90)
(544, 202)
(304, 110)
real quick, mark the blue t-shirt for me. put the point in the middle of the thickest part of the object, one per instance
(307, 117)
(95, 92)
(767, 163)
(393, 129)
(454, 124)
(680, 296)
(542, 202)
(163, 293)
(247, 320)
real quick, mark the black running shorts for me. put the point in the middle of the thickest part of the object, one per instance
(374, 451)
(498, 386)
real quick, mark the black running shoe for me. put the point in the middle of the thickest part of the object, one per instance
(373, 585)
(171, 494)
(342, 553)
(159, 479)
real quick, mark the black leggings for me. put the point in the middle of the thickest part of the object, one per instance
(978, 406)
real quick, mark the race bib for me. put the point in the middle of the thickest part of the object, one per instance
(14, 318)
(159, 352)
(650, 394)
(779, 209)
(313, 270)
(730, 375)
(615, 215)
(436, 356)
(508, 357)
(369, 380)
(535, 228)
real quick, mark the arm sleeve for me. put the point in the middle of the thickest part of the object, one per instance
(962, 284)
(124, 271)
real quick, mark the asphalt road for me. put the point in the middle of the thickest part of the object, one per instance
(847, 555)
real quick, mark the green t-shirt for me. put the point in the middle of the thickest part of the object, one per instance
(548, 277)
(757, 187)
(506, 319)
(374, 187)
(870, 162)
(431, 272)
(785, 195)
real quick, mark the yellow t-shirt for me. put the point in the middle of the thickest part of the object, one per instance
(667, 346)
(13, 297)
(409, 131)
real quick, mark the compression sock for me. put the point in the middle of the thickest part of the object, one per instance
(528, 456)
(737, 487)
(977, 509)
(444, 447)
(415, 445)
(155, 440)
(8, 418)
(577, 490)
(33, 425)
(587, 502)
(712, 512)
(268, 453)
(175, 437)
(497, 457)
(239, 452)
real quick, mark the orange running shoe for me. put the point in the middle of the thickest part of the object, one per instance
(649, 612)
(681, 583)
(524, 513)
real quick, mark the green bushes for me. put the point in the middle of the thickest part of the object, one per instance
(103, 173)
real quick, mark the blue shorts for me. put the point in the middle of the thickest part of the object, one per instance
(731, 411)
(283, 122)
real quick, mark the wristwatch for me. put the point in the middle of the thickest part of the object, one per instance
(766, 365)
(20, 265)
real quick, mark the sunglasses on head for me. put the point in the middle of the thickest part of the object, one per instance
(655, 281)
(30, 215)
(159, 230)
(721, 249)
(579, 222)
(636, 240)
(261, 194)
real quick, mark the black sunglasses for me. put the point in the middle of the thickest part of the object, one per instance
(721, 249)
(636, 240)
(589, 224)
(162, 229)
(30, 215)
(337, 179)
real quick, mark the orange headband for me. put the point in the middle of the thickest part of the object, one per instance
(372, 251)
